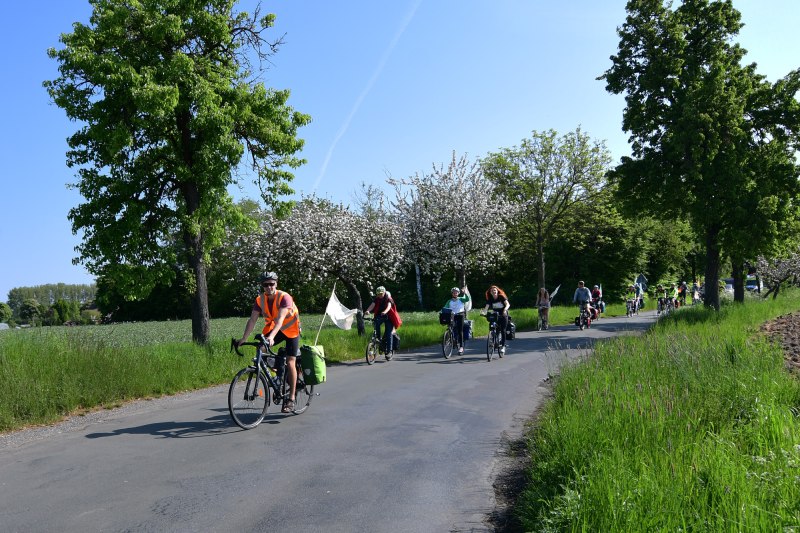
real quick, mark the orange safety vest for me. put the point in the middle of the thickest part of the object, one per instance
(291, 323)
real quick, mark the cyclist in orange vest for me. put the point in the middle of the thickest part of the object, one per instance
(281, 324)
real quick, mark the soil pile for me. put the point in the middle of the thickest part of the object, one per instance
(786, 330)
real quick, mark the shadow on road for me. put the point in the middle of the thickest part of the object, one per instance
(216, 425)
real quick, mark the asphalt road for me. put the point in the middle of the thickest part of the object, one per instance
(410, 445)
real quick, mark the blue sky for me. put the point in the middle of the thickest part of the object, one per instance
(392, 88)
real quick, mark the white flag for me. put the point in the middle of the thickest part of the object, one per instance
(553, 294)
(467, 305)
(341, 316)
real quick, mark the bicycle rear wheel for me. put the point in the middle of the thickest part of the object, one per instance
(372, 350)
(303, 394)
(447, 343)
(248, 398)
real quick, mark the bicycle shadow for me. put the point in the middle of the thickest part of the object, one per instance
(211, 427)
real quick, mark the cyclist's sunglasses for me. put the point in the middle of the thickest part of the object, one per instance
(268, 284)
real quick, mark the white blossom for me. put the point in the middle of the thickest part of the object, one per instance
(451, 220)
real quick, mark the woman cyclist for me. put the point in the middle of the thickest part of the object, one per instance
(543, 304)
(497, 300)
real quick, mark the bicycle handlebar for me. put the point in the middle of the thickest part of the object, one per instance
(259, 343)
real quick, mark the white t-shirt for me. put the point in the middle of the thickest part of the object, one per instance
(456, 305)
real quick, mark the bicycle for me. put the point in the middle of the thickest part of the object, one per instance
(374, 345)
(250, 390)
(493, 338)
(542, 323)
(584, 319)
(631, 308)
(665, 306)
(450, 334)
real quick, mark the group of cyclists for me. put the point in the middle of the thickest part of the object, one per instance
(282, 318)
(590, 301)
(460, 302)
(674, 295)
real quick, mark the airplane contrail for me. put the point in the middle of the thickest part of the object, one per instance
(360, 99)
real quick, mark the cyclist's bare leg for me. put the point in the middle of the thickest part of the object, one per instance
(291, 376)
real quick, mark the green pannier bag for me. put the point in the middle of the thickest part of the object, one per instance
(312, 361)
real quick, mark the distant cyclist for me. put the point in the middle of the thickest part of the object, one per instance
(543, 305)
(497, 300)
(633, 297)
(457, 303)
(597, 300)
(583, 297)
(661, 296)
(380, 305)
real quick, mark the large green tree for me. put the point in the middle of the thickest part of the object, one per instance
(546, 178)
(710, 138)
(170, 107)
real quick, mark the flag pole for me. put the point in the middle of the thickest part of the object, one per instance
(324, 314)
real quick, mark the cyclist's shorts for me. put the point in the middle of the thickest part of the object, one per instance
(292, 345)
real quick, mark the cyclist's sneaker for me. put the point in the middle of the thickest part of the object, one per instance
(461, 351)
(503, 350)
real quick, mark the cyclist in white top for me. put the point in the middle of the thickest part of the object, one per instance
(458, 304)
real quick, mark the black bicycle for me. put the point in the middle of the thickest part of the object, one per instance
(494, 338)
(374, 345)
(449, 341)
(250, 391)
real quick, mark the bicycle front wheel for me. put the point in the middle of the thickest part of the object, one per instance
(248, 398)
(447, 343)
(372, 350)
(489, 346)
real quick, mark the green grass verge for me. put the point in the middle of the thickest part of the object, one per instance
(690, 427)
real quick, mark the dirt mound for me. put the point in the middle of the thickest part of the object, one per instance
(786, 330)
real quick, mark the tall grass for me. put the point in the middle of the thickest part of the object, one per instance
(691, 427)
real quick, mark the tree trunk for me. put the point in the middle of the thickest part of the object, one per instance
(540, 254)
(201, 330)
(461, 277)
(711, 297)
(738, 279)
(193, 240)
(355, 296)
(419, 286)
